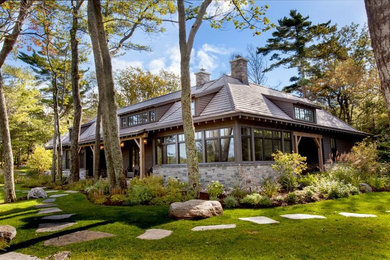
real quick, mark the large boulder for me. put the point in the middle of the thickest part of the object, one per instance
(195, 209)
(36, 193)
(7, 232)
(364, 187)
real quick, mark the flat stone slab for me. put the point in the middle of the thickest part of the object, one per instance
(17, 256)
(45, 205)
(388, 211)
(71, 191)
(213, 227)
(49, 210)
(302, 216)
(155, 234)
(58, 195)
(48, 200)
(55, 226)
(58, 217)
(260, 220)
(356, 215)
(76, 237)
(51, 191)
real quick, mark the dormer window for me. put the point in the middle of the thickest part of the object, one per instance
(193, 108)
(304, 114)
(139, 119)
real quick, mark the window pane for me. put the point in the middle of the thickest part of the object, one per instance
(258, 149)
(245, 131)
(124, 122)
(199, 149)
(182, 153)
(198, 135)
(211, 133)
(258, 132)
(267, 150)
(268, 133)
(193, 108)
(277, 145)
(287, 146)
(143, 118)
(227, 149)
(287, 135)
(226, 131)
(212, 151)
(181, 138)
(246, 149)
(152, 116)
(277, 134)
(171, 154)
(131, 120)
(170, 139)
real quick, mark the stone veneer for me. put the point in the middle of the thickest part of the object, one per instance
(247, 176)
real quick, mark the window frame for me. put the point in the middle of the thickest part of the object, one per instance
(303, 110)
(140, 118)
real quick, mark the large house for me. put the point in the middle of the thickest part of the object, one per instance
(238, 127)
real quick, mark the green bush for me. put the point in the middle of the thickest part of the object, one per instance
(330, 187)
(306, 180)
(289, 166)
(139, 193)
(291, 198)
(251, 199)
(101, 186)
(379, 183)
(40, 160)
(238, 193)
(230, 202)
(215, 189)
(270, 187)
(265, 202)
(346, 174)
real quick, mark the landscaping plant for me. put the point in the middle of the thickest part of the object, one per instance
(215, 189)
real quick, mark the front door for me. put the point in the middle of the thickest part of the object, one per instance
(134, 159)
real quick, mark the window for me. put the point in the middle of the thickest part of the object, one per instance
(220, 145)
(138, 119)
(265, 143)
(304, 114)
(124, 122)
(193, 108)
(152, 116)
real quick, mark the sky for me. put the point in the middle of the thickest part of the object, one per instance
(213, 48)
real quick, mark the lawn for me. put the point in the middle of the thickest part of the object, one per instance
(336, 237)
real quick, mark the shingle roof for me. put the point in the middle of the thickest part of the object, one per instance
(231, 97)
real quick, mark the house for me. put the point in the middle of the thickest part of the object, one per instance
(238, 127)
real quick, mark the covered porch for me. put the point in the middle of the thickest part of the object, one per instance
(310, 146)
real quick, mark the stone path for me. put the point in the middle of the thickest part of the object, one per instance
(76, 237)
(356, 215)
(51, 191)
(17, 256)
(260, 220)
(48, 200)
(302, 216)
(58, 195)
(45, 205)
(58, 217)
(52, 227)
(71, 191)
(213, 227)
(49, 210)
(155, 234)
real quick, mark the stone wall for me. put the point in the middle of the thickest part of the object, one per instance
(247, 176)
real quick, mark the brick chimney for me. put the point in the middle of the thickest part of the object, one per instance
(202, 77)
(239, 69)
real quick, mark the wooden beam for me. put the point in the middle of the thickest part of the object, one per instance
(142, 158)
(145, 135)
(138, 143)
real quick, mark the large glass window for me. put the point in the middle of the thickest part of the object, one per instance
(246, 142)
(220, 145)
(138, 119)
(304, 114)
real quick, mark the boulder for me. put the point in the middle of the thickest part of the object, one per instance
(7, 232)
(195, 209)
(36, 193)
(59, 256)
(364, 187)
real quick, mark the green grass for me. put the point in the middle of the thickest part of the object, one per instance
(336, 237)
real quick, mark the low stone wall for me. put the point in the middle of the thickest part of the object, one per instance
(247, 176)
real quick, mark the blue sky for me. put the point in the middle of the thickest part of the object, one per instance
(213, 48)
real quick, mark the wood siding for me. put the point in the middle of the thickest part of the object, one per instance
(201, 103)
(286, 107)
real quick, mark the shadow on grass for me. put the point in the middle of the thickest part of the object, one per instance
(13, 212)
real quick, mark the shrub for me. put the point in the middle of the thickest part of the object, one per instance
(270, 187)
(379, 183)
(238, 193)
(40, 160)
(230, 202)
(330, 187)
(215, 189)
(139, 193)
(36, 180)
(346, 174)
(251, 199)
(291, 198)
(265, 202)
(101, 186)
(306, 180)
(289, 166)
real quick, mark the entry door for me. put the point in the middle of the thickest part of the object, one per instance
(134, 158)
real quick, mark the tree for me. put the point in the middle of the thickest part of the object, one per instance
(8, 41)
(292, 46)
(136, 85)
(256, 66)
(378, 14)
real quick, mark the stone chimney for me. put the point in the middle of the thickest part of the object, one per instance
(239, 69)
(202, 77)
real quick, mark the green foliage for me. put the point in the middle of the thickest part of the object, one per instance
(306, 180)
(238, 193)
(36, 180)
(215, 189)
(329, 187)
(289, 166)
(251, 199)
(291, 198)
(265, 202)
(230, 202)
(270, 187)
(384, 146)
(100, 187)
(40, 160)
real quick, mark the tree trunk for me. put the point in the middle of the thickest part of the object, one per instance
(96, 162)
(378, 14)
(188, 124)
(75, 134)
(107, 100)
(54, 165)
(59, 153)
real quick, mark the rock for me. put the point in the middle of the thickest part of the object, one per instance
(195, 209)
(364, 187)
(302, 216)
(17, 256)
(49, 210)
(213, 227)
(45, 205)
(357, 215)
(36, 193)
(7, 232)
(76, 237)
(260, 220)
(58, 217)
(53, 227)
(155, 234)
(59, 256)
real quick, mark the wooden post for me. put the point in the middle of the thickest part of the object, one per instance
(142, 158)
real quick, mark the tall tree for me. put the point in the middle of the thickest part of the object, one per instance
(378, 13)
(256, 66)
(8, 42)
(292, 46)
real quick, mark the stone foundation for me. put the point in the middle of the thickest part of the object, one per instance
(247, 176)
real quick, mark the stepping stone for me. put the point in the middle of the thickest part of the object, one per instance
(58, 217)
(260, 220)
(76, 237)
(58, 195)
(52, 227)
(213, 227)
(388, 211)
(48, 200)
(71, 191)
(49, 210)
(154, 234)
(356, 215)
(302, 216)
(45, 205)
(17, 256)
(51, 191)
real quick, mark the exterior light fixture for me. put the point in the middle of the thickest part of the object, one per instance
(101, 147)
(145, 141)
(122, 144)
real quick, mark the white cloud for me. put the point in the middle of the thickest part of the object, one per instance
(156, 65)
(120, 64)
(208, 56)
(219, 8)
